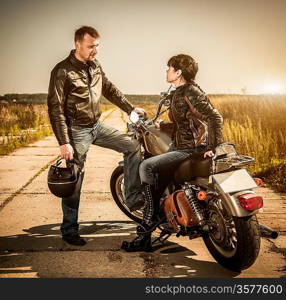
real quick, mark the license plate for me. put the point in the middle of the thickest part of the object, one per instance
(235, 181)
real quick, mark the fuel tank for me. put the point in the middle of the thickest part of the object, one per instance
(156, 141)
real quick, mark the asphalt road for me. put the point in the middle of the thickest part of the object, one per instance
(30, 216)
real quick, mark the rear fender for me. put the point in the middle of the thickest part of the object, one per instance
(231, 185)
(232, 203)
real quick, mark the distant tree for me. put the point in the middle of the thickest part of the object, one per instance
(244, 90)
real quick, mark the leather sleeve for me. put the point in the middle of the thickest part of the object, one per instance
(111, 93)
(56, 98)
(207, 112)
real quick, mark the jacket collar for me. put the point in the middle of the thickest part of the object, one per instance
(80, 64)
(182, 87)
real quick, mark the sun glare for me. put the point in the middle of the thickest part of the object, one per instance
(273, 88)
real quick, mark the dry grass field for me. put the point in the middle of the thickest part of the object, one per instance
(21, 124)
(256, 124)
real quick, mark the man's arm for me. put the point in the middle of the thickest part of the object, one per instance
(56, 100)
(111, 93)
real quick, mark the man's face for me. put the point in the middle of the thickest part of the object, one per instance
(87, 48)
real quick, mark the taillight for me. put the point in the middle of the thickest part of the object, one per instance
(250, 201)
(259, 182)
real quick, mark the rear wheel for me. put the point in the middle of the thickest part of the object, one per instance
(117, 191)
(233, 242)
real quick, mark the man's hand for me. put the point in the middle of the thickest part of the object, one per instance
(66, 151)
(208, 154)
(140, 111)
(157, 124)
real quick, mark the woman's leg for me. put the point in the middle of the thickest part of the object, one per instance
(150, 170)
(167, 162)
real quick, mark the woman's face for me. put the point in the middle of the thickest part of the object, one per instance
(171, 75)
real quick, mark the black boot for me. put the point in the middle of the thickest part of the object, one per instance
(142, 242)
(74, 239)
(151, 209)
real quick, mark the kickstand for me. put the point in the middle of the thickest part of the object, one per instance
(164, 235)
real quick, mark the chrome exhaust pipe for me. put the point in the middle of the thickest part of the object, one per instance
(268, 232)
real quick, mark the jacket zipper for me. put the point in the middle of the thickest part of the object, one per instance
(90, 93)
(176, 133)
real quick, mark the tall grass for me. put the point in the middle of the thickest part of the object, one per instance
(21, 124)
(256, 124)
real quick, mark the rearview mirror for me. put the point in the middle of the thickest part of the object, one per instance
(163, 94)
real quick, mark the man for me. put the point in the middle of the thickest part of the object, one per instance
(75, 87)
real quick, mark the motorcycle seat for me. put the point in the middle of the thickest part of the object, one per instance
(194, 166)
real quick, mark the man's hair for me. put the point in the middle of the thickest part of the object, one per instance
(79, 33)
(186, 64)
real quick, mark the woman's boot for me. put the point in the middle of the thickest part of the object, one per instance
(143, 240)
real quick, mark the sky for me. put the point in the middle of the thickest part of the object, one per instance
(238, 44)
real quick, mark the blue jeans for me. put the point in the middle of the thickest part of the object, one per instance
(164, 164)
(105, 136)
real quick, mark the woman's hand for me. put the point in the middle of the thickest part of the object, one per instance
(208, 154)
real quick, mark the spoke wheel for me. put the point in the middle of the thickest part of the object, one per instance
(234, 242)
(223, 233)
(117, 191)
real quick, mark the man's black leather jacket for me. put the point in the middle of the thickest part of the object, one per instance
(74, 92)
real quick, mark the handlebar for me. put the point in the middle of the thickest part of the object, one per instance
(135, 118)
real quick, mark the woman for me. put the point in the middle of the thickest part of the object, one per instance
(196, 127)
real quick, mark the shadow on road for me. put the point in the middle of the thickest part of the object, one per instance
(41, 250)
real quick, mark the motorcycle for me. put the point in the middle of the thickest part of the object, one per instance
(212, 198)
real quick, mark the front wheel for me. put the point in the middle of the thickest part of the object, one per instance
(117, 191)
(233, 242)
